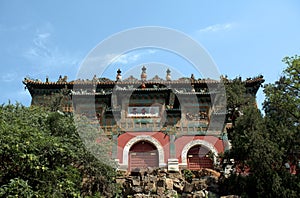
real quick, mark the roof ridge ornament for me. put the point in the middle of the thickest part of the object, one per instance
(156, 78)
(119, 76)
(168, 76)
(131, 79)
(144, 74)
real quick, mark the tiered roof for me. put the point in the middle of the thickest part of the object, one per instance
(132, 83)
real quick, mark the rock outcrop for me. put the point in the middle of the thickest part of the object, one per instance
(161, 183)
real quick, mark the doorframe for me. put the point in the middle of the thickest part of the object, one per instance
(130, 154)
(130, 143)
(193, 143)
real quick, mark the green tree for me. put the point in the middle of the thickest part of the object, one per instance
(264, 145)
(237, 99)
(42, 155)
(282, 108)
(252, 151)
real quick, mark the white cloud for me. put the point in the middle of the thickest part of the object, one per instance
(40, 47)
(134, 56)
(45, 53)
(41, 39)
(127, 58)
(217, 28)
(97, 60)
(8, 77)
(97, 64)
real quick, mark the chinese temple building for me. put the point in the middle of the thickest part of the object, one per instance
(154, 122)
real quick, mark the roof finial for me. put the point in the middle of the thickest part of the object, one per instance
(59, 79)
(119, 76)
(168, 76)
(143, 74)
(192, 77)
(95, 79)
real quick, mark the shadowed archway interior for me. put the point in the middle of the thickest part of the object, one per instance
(199, 157)
(143, 154)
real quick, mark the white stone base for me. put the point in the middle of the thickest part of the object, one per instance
(173, 165)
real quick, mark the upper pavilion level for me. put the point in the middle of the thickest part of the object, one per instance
(143, 104)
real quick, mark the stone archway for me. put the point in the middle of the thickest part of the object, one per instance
(198, 157)
(193, 143)
(142, 154)
(148, 138)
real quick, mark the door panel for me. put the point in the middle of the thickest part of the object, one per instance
(143, 155)
(198, 158)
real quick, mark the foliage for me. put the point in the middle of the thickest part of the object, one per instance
(261, 146)
(282, 107)
(188, 175)
(42, 155)
(235, 185)
(17, 187)
(237, 98)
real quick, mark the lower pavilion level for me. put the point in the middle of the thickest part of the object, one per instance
(153, 123)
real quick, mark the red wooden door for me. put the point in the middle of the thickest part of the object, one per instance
(198, 158)
(142, 155)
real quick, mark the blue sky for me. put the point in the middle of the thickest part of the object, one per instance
(52, 38)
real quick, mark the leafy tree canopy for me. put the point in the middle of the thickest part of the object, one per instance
(265, 146)
(42, 155)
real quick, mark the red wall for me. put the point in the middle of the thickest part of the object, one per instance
(182, 141)
(159, 136)
(164, 141)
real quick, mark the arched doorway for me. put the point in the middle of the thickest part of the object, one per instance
(143, 154)
(198, 157)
